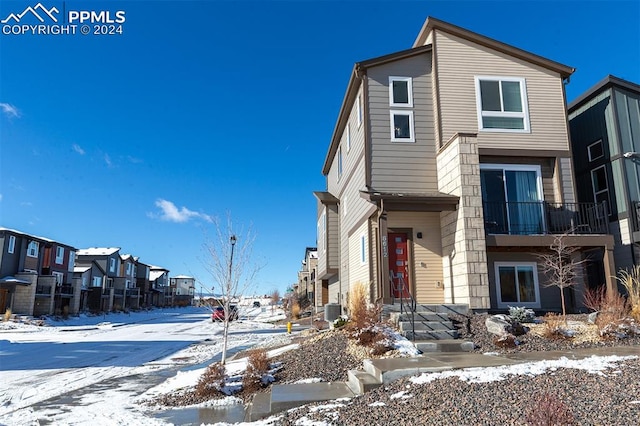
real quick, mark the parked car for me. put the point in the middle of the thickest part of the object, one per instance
(256, 304)
(218, 313)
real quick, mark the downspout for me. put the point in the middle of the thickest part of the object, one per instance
(380, 252)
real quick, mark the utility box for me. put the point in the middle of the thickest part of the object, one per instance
(332, 311)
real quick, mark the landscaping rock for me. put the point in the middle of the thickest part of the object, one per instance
(498, 324)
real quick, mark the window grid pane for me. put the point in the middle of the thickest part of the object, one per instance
(401, 128)
(400, 92)
(490, 95)
(512, 100)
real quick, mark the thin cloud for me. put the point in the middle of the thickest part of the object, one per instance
(171, 213)
(107, 160)
(10, 110)
(77, 148)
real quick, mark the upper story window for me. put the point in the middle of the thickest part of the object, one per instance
(359, 110)
(402, 126)
(600, 185)
(323, 222)
(59, 255)
(32, 250)
(400, 92)
(348, 130)
(595, 150)
(363, 249)
(112, 265)
(97, 282)
(502, 104)
(12, 244)
(339, 162)
(128, 268)
(72, 260)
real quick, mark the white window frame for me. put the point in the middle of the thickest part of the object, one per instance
(363, 249)
(96, 280)
(524, 101)
(343, 205)
(348, 131)
(128, 268)
(127, 284)
(599, 141)
(340, 164)
(359, 110)
(72, 259)
(33, 249)
(536, 284)
(59, 255)
(324, 230)
(409, 81)
(59, 277)
(12, 244)
(112, 265)
(392, 114)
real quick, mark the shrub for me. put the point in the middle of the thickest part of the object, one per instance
(295, 310)
(339, 322)
(553, 325)
(521, 314)
(363, 315)
(7, 315)
(506, 341)
(612, 308)
(549, 410)
(631, 282)
(212, 381)
(257, 366)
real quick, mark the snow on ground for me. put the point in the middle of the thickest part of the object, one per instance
(95, 370)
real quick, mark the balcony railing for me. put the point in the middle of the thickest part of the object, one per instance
(539, 218)
(43, 290)
(634, 215)
(64, 289)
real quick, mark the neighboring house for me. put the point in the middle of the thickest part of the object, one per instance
(159, 286)
(144, 283)
(36, 275)
(91, 278)
(127, 293)
(306, 286)
(183, 288)
(449, 170)
(101, 292)
(605, 138)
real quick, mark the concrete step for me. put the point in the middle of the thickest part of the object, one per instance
(421, 316)
(452, 345)
(360, 381)
(426, 325)
(455, 308)
(430, 335)
(259, 408)
(285, 397)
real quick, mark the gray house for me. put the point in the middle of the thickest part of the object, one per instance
(448, 172)
(101, 291)
(605, 139)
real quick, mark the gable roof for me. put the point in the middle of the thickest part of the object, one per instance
(419, 48)
(432, 24)
(35, 237)
(98, 251)
(604, 84)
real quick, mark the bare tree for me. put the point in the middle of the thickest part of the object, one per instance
(275, 298)
(562, 268)
(231, 266)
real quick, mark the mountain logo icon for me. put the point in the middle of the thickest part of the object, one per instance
(39, 11)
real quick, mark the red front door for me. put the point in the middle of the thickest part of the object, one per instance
(398, 265)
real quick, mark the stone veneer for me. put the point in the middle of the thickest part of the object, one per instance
(463, 239)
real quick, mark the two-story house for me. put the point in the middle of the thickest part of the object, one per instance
(306, 287)
(36, 275)
(143, 283)
(101, 289)
(448, 172)
(162, 293)
(127, 293)
(605, 137)
(183, 287)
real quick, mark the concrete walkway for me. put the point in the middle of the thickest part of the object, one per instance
(379, 371)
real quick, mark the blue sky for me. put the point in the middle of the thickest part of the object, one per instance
(206, 108)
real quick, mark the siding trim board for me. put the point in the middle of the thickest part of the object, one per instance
(413, 202)
(604, 84)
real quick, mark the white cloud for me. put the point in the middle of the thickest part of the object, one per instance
(77, 148)
(0, 197)
(9, 110)
(107, 160)
(171, 213)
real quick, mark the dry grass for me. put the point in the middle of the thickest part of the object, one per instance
(7, 315)
(362, 314)
(553, 325)
(212, 381)
(295, 310)
(257, 366)
(611, 308)
(631, 282)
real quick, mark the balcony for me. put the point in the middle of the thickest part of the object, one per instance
(64, 290)
(543, 218)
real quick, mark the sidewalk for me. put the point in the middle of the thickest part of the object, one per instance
(379, 371)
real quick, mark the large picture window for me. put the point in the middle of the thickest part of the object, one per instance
(600, 185)
(512, 199)
(517, 284)
(32, 249)
(502, 104)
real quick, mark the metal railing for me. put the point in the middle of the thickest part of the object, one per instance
(43, 290)
(64, 289)
(541, 218)
(634, 215)
(407, 304)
